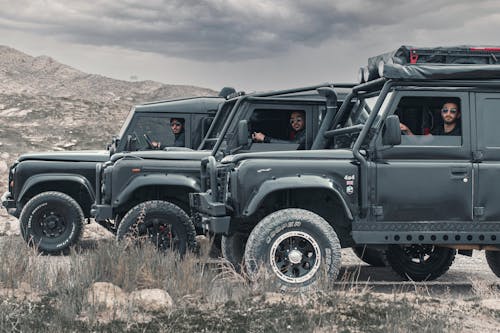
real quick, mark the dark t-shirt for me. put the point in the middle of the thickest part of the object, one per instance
(180, 140)
(457, 131)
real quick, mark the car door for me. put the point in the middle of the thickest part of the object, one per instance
(487, 157)
(427, 177)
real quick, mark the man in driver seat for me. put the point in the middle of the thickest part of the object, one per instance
(298, 134)
(177, 127)
(450, 113)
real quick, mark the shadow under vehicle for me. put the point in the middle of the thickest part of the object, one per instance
(52, 192)
(146, 194)
(415, 199)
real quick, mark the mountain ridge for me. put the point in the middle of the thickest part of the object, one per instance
(46, 105)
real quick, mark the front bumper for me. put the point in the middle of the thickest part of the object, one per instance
(209, 215)
(10, 204)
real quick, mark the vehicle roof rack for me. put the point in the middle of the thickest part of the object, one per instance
(410, 55)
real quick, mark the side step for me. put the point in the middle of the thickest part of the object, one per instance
(472, 233)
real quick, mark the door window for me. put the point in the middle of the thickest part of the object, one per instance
(430, 121)
(167, 131)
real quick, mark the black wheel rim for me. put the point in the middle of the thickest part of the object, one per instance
(295, 257)
(419, 254)
(50, 222)
(160, 231)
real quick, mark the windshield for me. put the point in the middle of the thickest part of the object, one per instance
(126, 122)
(362, 107)
(217, 126)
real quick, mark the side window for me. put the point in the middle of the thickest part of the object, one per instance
(166, 131)
(430, 121)
(488, 112)
(279, 127)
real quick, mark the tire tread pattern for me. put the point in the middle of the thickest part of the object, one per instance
(35, 202)
(258, 236)
(143, 208)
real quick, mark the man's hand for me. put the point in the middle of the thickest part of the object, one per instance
(405, 129)
(156, 145)
(258, 137)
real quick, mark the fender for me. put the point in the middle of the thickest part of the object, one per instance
(285, 183)
(56, 177)
(156, 180)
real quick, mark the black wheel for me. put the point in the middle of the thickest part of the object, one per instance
(291, 245)
(420, 262)
(161, 222)
(371, 256)
(52, 222)
(233, 249)
(493, 260)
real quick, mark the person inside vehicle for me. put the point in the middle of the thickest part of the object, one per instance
(177, 127)
(297, 135)
(450, 113)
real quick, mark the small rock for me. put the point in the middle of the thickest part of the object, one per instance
(25, 287)
(152, 300)
(107, 294)
(491, 304)
(3, 167)
(274, 298)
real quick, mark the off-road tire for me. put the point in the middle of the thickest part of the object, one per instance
(52, 222)
(162, 222)
(430, 268)
(371, 256)
(292, 229)
(493, 260)
(233, 249)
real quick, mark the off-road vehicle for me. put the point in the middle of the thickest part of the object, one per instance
(52, 192)
(417, 198)
(147, 193)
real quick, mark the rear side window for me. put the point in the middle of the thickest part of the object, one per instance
(489, 120)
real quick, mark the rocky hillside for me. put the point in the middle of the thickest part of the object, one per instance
(46, 105)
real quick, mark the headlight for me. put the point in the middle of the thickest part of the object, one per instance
(366, 74)
(381, 65)
(227, 194)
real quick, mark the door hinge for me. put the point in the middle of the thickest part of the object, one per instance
(477, 156)
(378, 210)
(478, 211)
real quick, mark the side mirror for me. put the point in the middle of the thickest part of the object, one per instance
(391, 135)
(242, 133)
(128, 146)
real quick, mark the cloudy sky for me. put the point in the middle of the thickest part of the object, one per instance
(252, 44)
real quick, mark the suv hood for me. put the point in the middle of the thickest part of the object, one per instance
(74, 156)
(164, 155)
(343, 154)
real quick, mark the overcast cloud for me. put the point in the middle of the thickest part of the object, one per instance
(206, 42)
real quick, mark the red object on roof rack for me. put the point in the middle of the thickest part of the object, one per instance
(488, 49)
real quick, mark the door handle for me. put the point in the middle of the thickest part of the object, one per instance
(461, 173)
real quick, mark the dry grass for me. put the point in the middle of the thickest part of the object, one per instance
(208, 297)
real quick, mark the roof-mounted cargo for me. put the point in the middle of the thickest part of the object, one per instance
(440, 72)
(409, 55)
